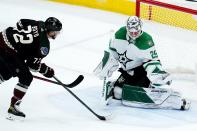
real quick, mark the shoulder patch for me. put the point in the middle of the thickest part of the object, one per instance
(150, 43)
(44, 51)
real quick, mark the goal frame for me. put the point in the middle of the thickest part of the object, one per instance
(165, 5)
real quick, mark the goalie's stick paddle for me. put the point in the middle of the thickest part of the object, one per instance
(65, 87)
(71, 85)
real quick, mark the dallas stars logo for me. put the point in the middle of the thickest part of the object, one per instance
(123, 59)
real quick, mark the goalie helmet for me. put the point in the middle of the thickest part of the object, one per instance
(134, 27)
(53, 24)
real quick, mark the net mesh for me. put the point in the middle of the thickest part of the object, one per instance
(168, 16)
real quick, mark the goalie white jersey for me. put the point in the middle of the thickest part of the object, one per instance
(131, 53)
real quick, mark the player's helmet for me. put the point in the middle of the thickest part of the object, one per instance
(134, 27)
(53, 24)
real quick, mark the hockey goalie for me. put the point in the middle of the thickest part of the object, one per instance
(142, 82)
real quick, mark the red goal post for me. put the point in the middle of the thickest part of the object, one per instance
(167, 14)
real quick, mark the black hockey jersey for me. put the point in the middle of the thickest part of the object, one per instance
(29, 39)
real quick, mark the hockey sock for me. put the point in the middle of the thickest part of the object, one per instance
(19, 92)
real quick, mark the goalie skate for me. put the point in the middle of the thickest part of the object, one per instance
(186, 104)
(14, 112)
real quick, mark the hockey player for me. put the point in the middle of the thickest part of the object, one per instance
(142, 82)
(21, 49)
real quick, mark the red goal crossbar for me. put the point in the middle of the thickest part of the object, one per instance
(165, 5)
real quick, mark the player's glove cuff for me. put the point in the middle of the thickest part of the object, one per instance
(46, 71)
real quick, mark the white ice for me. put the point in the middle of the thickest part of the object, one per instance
(78, 50)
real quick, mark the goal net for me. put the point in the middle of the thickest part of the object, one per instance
(167, 14)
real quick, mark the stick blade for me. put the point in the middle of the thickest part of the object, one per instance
(76, 82)
(102, 118)
(105, 118)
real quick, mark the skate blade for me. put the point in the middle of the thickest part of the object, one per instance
(12, 117)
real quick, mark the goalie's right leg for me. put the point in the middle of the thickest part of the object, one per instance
(144, 97)
(153, 98)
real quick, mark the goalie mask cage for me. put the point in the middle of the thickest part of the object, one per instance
(167, 14)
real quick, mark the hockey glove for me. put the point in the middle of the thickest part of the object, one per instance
(46, 71)
(159, 80)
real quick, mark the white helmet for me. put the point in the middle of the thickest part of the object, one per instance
(134, 26)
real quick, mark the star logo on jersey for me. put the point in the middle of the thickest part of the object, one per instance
(123, 59)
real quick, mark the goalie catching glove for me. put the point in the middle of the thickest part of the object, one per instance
(156, 74)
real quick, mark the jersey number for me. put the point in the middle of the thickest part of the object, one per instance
(20, 38)
(154, 54)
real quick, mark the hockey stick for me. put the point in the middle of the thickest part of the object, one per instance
(65, 87)
(191, 0)
(71, 85)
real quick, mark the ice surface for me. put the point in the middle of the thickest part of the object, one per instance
(78, 50)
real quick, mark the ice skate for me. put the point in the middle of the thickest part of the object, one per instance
(14, 112)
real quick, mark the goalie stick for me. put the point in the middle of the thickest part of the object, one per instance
(65, 87)
(71, 85)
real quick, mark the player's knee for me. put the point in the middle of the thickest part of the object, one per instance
(26, 78)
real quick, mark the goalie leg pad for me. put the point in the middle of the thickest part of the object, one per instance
(153, 98)
(136, 97)
(175, 101)
(107, 92)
